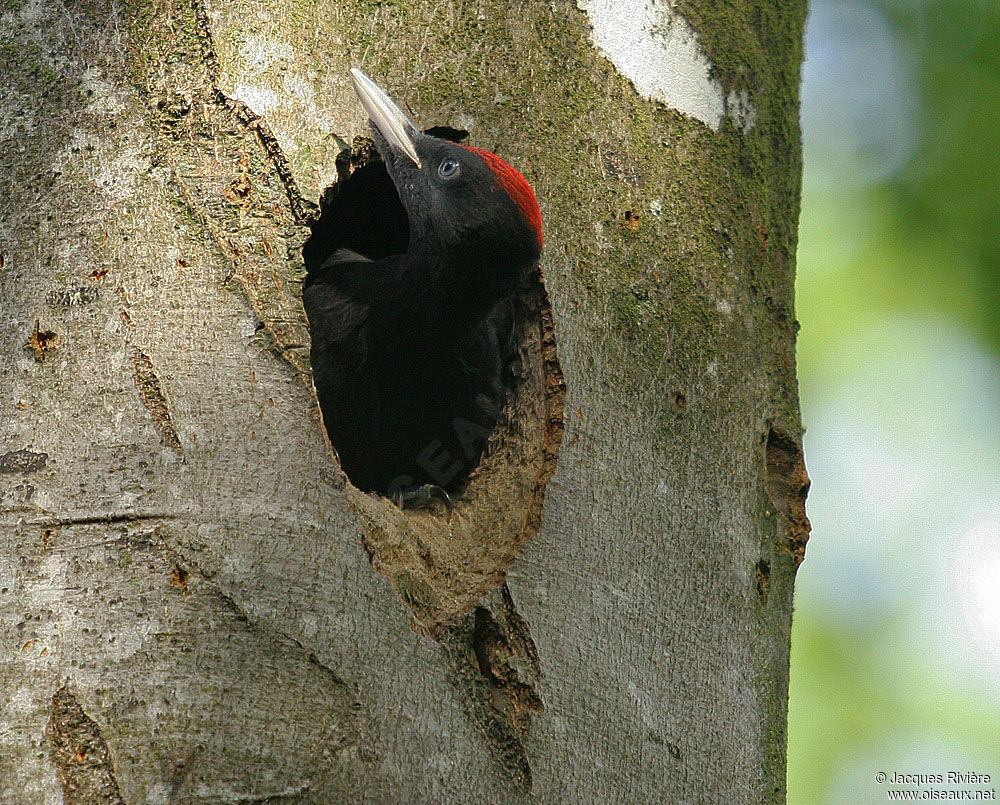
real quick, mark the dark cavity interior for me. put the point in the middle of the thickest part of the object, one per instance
(362, 213)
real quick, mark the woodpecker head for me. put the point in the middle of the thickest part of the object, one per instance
(462, 202)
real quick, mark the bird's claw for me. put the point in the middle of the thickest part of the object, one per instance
(422, 497)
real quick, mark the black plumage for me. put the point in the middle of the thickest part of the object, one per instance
(411, 298)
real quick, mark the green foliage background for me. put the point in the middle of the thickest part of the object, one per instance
(896, 640)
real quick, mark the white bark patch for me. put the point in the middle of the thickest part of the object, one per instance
(256, 56)
(32, 12)
(261, 100)
(659, 52)
(741, 109)
(303, 102)
(103, 98)
(267, 82)
(117, 173)
(259, 53)
(17, 118)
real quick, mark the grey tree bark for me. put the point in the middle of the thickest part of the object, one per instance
(196, 607)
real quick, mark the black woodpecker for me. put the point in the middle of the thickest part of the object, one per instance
(412, 341)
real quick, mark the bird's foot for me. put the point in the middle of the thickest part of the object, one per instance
(422, 497)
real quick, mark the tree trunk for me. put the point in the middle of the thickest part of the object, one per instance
(197, 607)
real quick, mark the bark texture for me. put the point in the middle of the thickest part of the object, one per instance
(191, 606)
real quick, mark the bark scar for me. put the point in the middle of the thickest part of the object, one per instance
(788, 486)
(495, 659)
(151, 393)
(23, 460)
(41, 341)
(508, 661)
(80, 754)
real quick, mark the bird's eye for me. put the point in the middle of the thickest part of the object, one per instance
(449, 169)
